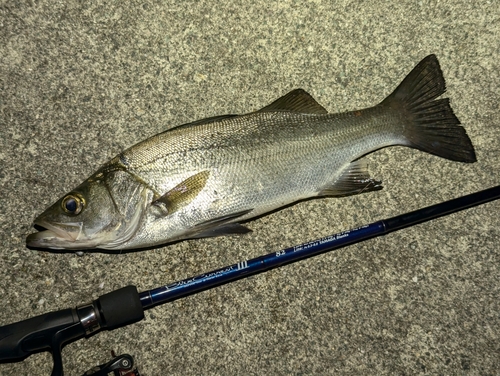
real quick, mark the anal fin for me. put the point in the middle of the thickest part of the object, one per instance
(353, 180)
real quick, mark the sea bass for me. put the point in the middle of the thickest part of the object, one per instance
(204, 178)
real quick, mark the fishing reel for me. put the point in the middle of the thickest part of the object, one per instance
(121, 365)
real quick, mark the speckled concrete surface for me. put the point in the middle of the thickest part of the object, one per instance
(81, 80)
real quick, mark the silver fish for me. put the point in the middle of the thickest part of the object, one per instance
(205, 178)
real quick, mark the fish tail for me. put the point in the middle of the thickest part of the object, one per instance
(430, 125)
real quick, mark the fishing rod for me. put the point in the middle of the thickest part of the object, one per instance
(51, 331)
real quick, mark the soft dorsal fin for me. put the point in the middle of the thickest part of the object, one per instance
(297, 100)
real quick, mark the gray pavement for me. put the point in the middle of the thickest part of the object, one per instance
(82, 80)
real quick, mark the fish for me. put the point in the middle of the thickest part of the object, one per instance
(203, 179)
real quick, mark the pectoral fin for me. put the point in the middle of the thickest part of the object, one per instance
(182, 194)
(353, 180)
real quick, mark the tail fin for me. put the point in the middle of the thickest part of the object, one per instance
(431, 124)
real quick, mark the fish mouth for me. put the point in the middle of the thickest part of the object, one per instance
(54, 235)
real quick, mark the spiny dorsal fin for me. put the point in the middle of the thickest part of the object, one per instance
(297, 100)
(209, 120)
(353, 180)
(183, 193)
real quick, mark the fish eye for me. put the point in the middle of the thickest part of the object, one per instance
(73, 204)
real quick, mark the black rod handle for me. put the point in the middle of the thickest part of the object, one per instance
(23, 338)
(51, 331)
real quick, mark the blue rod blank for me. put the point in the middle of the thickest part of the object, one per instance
(272, 260)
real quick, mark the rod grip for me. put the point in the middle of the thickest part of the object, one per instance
(23, 338)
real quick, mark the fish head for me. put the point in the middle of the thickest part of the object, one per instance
(103, 212)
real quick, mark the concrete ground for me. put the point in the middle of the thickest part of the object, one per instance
(82, 80)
